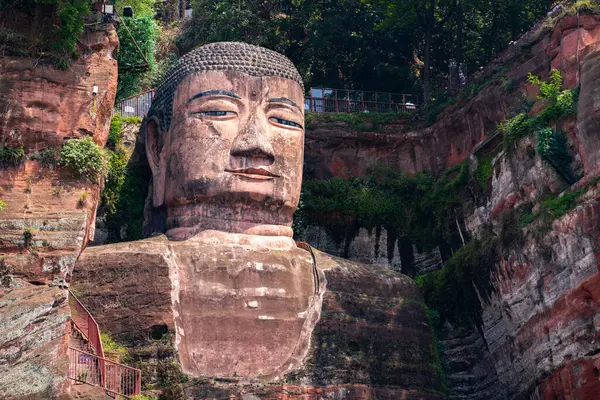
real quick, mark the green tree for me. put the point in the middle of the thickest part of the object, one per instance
(141, 8)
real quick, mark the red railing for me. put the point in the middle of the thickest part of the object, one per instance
(86, 324)
(117, 379)
(137, 105)
(91, 367)
(324, 100)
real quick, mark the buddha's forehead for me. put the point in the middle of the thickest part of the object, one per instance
(241, 84)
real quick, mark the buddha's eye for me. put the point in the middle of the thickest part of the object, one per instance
(285, 122)
(215, 113)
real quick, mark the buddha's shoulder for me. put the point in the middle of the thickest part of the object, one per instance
(135, 252)
(346, 275)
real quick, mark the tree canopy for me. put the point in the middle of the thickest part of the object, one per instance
(385, 45)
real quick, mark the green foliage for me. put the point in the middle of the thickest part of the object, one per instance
(554, 207)
(558, 102)
(71, 15)
(59, 38)
(114, 134)
(367, 44)
(3, 205)
(125, 189)
(552, 147)
(48, 157)
(12, 156)
(438, 347)
(141, 8)
(516, 128)
(549, 89)
(117, 171)
(84, 158)
(132, 65)
(127, 199)
(484, 171)
(360, 122)
(420, 208)
(454, 290)
(110, 345)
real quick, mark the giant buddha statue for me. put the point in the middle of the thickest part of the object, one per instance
(246, 304)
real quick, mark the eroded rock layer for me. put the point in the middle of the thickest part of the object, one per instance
(49, 214)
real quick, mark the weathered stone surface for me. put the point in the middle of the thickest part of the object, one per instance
(41, 107)
(376, 247)
(372, 337)
(572, 40)
(544, 313)
(50, 214)
(33, 341)
(588, 113)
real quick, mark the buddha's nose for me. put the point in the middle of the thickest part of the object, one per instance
(252, 144)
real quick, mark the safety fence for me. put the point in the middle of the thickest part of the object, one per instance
(86, 324)
(326, 100)
(91, 366)
(321, 100)
(119, 380)
(137, 105)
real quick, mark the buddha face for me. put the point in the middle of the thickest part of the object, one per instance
(234, 140)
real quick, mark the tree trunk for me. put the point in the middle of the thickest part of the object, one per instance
(459, 51)
(429, 21)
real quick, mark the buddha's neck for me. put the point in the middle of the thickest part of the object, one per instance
(187, 221)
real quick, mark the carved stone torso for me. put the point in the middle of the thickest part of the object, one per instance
(247, 314)
(242, 311)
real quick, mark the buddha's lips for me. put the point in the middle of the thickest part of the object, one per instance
(254, 173)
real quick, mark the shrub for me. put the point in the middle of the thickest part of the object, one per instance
(516, 128)
(131, 72)
(114, 134)
(455, 289)
(484, 171)
(48, 156)
(12, 156)
(552, 148)
(109, 344)
(84, 158)
(117, 170)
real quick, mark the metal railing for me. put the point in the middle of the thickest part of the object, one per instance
(86, 324)
(321, 100)
(325, 100)
(137, 105)
(91, 367)
(117, 379)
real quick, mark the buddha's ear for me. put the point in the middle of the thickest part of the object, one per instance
(154, 142)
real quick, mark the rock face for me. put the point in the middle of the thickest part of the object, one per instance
(541, 325)
(539, 337)
(376, 247)
(49, 215)
(33, 341)
(372, 337)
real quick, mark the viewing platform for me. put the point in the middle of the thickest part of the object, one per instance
(320, 100)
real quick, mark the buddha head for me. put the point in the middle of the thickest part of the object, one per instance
(225, 141)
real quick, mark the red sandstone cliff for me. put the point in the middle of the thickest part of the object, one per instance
(48, 220)
(541, 328)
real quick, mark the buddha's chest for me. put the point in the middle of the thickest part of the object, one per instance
(241, 311)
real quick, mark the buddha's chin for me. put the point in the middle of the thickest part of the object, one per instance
(241, 232)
